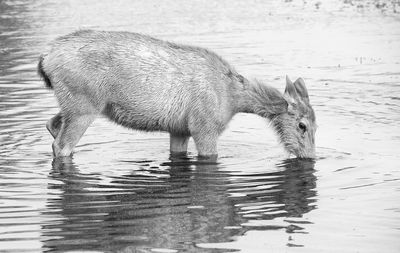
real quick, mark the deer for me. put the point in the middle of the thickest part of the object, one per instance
(149, 84)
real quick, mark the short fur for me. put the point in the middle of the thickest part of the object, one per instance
(148, 84)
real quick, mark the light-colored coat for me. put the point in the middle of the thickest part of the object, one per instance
(148, 84)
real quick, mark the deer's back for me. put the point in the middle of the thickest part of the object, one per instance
(141, 74)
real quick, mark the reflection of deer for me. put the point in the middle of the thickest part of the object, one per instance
(174, 208)
(297, 188)
(148, 84)
(139, 209)
(289, 190)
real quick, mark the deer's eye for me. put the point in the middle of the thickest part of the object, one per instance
(302, 127)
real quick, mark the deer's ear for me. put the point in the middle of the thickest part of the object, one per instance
(301, 89)
(290, 89)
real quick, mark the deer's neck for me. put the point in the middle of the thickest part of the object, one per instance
(259, 99)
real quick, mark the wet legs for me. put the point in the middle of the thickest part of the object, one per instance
(206, 145)
(70, 132)
(54, 125)
(178, 145)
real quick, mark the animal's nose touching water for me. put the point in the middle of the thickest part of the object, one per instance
(148, 84)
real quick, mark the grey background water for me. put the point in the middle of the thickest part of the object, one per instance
(120, 192)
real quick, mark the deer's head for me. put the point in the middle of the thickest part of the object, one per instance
(296, 127)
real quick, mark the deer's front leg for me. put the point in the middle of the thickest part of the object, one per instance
(206, 144)
(178, 144)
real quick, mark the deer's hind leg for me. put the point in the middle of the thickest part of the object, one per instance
(54, 124)
(72, 129)
(78, 111)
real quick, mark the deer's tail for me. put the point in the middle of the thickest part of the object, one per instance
(43, 74)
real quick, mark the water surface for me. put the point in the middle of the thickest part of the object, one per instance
(121, 192)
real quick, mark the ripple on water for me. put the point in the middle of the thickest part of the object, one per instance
(180, 201)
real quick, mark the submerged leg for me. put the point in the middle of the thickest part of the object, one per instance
(178, 145)
(206, 144)
(54, 125)
(72, 129)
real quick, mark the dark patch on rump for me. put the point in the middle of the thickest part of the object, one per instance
(43, 74)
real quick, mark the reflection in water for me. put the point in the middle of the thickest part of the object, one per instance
(292, 187)
(170, 207)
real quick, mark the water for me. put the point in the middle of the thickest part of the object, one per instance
(121, 193)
